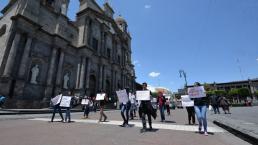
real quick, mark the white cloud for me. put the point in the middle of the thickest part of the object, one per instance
(257, 59)
(147, 6)
(154, 74)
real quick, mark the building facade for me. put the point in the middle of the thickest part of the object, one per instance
(42, 52)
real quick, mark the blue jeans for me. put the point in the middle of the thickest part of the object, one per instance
(68, 114)
(162, 114)
(125, 108)
(201, 116)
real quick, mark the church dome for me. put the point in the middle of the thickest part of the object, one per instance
(120, 20)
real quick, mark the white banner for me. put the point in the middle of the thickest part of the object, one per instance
(122, 96)
(143, 95)
(196, 92)
(100, 97)
(85, 101)
(66, 101)
(168, 97)
(186, 101)
(56, 100)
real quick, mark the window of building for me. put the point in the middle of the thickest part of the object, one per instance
(108, 52)
(119, 59)
(50, 2)
(95, 44)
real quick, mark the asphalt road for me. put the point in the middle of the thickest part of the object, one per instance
(36, 130)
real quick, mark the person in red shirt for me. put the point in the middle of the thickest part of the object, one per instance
(161, 100)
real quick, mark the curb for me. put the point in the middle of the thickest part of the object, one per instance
(23, 112)
(246, 137)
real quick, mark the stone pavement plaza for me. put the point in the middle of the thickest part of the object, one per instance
(37, 130)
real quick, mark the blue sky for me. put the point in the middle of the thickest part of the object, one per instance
(212, 40)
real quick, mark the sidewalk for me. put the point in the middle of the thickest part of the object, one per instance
(239, 126)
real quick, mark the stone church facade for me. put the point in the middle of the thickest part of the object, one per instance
(42, 52)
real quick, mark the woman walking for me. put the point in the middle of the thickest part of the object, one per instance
(200, 107)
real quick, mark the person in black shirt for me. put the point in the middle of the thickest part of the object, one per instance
(145, 109)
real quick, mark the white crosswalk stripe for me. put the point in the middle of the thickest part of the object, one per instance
(139, 124)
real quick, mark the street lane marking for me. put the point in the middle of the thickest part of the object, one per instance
(139, 124)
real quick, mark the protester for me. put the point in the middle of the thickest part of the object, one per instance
(133, 106)
(94, 103)
(86, 107)
(2, 101)
(224, 104)
(200, 107)
(101, 105)
(68, 109)
(161, 101)
(125, 108)
(168, 106)
(146, 109)
(191, 115)
(215, 104)
(57, 108)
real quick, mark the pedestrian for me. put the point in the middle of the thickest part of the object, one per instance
(133, 108)
(86, 106)
(2, 101)
(57, 108)
(146, 109)
(168, 106)
(224, 104)
(200, 107)
(191, 115)
(125, 108)
(94, 103)
(101, 107)
(68, 109)
(161, 101)
(215, 104)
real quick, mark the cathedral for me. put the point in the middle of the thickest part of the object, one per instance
(43, 53)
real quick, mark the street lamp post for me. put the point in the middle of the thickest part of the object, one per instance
(183, 74)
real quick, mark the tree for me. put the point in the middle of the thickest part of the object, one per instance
(220, 92)
(243, 93)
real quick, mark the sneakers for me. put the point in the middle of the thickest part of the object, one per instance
(206, 133)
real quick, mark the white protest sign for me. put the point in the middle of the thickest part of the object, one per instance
(85, 101)
(56, 100)
(154, 100)
(100, 97)
(186, 101)
(143, 95)
(66, 101)
(168, 97)
(122, 96)
(196, 92)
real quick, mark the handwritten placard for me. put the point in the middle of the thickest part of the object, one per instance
(196, 92)
(143, 95)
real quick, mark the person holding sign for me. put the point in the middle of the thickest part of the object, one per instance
(188, 103)
(133, 108)
(161, 100)
(200, 105)
(145, 108)
(125, 105)
(86, 101)
(56, 106)
(66, 103)
(102, 98)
